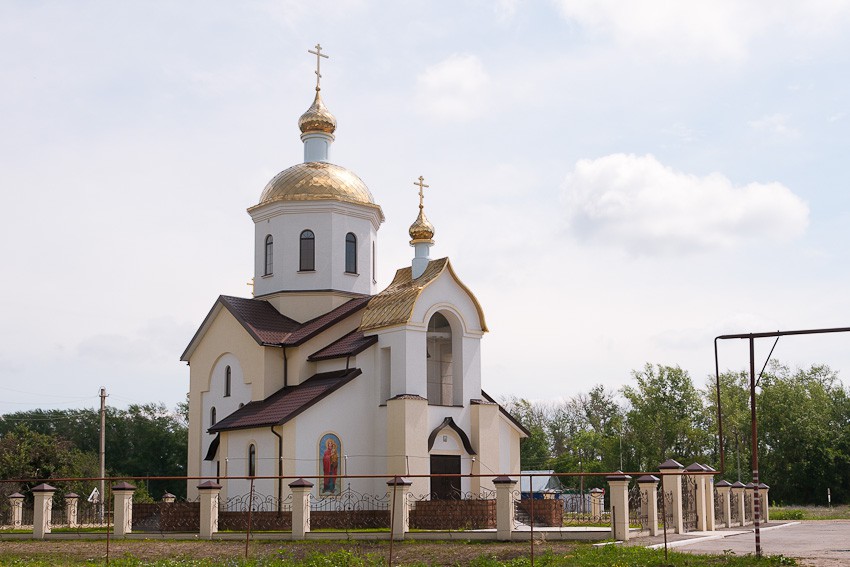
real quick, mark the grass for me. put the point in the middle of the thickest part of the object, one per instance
(579, 556)
(810, 512)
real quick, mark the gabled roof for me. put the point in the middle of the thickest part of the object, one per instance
(268, 326)
(394, 305)
(349, 345)
(505, 413)
(286, 403)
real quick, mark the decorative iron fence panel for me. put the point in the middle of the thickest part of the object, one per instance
(748, 506)
(666, 515)
(350, 510)
(689, 503)
(718, 507)
(638, 508)
(734, 506)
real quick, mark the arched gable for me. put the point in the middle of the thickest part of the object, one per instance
(450, 423)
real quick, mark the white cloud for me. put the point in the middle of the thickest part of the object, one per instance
(453, 89)
(718, 30)
(637, 203)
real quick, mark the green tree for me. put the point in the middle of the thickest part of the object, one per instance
(534, 450)
(803, 434)
(666, 418)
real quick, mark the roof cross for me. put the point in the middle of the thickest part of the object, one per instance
(318, 53)
(421, 184)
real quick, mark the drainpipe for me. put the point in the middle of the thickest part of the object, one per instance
(285, 368)
(279, 469)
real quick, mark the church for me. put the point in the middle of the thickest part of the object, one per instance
(320, 375)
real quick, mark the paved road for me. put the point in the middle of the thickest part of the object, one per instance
(817, 543)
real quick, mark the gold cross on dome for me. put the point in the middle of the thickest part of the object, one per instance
(421, 184)
(318, 53)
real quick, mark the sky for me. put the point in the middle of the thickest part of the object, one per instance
(617, 182)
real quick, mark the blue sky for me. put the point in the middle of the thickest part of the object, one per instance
(617, 182)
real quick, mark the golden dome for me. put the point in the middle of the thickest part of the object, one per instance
(317, 118)
(421, 229)
(315, 181)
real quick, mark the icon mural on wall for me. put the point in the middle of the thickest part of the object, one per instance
(330, 452)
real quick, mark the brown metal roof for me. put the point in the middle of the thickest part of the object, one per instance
(265, 323)
(286, 403)
(268, 326)
(349, 345)
(315, 326)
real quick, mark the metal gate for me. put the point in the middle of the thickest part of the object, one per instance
(689, 502)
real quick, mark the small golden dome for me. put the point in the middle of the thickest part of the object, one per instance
(421, 229)
(317, 118)
(315, 181)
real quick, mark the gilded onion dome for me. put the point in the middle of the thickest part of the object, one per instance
(316, 181)
(421, 229)
(317, 118)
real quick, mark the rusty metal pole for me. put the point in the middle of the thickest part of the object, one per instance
(754, 444)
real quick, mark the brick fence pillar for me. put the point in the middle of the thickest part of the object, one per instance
(122, 494)
(619, 484)
(649, 492)
(300, 507)
(738, 495)
(724, 492)
(42, 510)
(399, 489)
(72, 502)
(504, 507)
(671, 481)
(16, 501)
(208, 492)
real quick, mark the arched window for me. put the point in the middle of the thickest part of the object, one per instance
(308, 251)
(350, 253)
(439, 363)
(252, 460)
(269, 267)
(227, 382)
(212, 416)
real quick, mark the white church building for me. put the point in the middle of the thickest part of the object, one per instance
(320, 375)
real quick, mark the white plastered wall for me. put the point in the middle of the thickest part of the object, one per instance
(240, 393)
(261, 367)
(330, 222)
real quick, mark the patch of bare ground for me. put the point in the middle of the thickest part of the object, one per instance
(436, 553)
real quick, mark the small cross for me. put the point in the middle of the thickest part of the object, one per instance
(318, 53)
(421, 184)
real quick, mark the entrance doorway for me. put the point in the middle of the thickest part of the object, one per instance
(446, 487)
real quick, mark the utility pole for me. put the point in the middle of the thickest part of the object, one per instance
(102, 451)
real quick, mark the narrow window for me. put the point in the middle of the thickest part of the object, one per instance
(308, 251)
(269, 256)
(374, 263)
(350, 253)
(227, 382)
(212, 416)
(252, 460)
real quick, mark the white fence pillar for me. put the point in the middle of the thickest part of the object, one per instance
(649, 492)
(504, 507)
(42, 510)
(597, 503)
(300, 507)
(208, 492)
(123, 508)
(694, 469)
(764, 502)
(619, 484)
(399, 489)
(671, 481)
